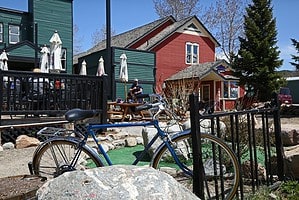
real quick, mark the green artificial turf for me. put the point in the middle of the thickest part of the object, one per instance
(127, 155)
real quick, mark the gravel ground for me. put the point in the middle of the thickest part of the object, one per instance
(15, 162)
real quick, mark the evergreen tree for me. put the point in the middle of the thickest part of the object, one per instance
(258, 56)
(294, 57)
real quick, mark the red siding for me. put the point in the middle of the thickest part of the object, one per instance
(170, 55)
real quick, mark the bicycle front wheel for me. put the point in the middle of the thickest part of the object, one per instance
(58, 155)
(221, 168)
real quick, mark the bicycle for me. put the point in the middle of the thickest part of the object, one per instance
(67, 150)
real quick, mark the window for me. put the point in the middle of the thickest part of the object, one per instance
(192, 53)
(205, 93)
(1, 32)
(230, 89)
(63, 59)
(14, 34)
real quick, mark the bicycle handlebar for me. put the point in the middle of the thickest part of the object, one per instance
(79, 114)
(150, 105)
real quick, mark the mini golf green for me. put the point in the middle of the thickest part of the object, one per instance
(127, 155)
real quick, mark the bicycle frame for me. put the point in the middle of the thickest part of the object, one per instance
(160, 134)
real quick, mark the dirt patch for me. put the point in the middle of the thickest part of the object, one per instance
(20, 187)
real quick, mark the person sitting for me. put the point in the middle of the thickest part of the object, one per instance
(135, 91)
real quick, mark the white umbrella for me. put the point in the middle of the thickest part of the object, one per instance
(56, 45)
(101, 68)
(123, 72)
(83, 68)
(44, 64)
(3, 61)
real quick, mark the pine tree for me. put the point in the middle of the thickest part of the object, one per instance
(258, 56)
(294, 57)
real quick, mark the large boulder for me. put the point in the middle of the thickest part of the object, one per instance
(292, 161)
(115, 182)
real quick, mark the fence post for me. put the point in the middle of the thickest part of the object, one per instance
(278, 141)
(104, 101)
(198, 173)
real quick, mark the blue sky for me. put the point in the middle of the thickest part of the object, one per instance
(89, 15)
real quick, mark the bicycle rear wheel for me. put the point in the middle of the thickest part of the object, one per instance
(58, 155)
(221, 168)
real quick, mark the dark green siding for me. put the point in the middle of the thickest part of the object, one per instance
(141, 65)
(55, 15)
(24, 51)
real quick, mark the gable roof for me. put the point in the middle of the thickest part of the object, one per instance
(123, 39)
(21, 44)
(177, 27)
(129, 38)
(201, 70)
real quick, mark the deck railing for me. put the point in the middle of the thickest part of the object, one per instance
(29, 95)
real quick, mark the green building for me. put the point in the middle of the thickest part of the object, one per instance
(22, 34)
(140, 65)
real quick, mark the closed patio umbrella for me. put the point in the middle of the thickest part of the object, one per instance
(101, 68)
(123, 71)
(44, 63)
(83, 68)
(55, 56)
(3, 60)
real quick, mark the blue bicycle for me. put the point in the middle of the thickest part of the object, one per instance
(67, 150)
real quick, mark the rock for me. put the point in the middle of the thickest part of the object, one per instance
(246, 168)
(147, 134)
(1, 148)
(116, 182)
(205, 126)
(24, 141)
(287, 138)
(139, 140)
(292, 161)
(290, 138)
(130, 142)
(8, 145)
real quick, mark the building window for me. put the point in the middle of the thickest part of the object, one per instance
(14, 34)
(63, 59)
(230, 89)
(1, 32)
(192, 53)
(205, 93)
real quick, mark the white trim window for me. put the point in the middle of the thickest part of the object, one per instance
(14, 34)
(230, 89)
(1, 32)
(192, 53)
(63, 59)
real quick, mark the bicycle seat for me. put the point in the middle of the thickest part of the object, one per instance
(79, 114)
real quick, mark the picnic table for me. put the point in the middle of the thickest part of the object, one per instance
(123, 109)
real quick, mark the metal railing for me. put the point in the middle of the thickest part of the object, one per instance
(29, 94)
(254, 135)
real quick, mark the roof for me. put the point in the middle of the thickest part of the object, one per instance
(129, 38)
(123, 39)
(200, 71)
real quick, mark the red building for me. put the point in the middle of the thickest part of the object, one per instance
(177, 44)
